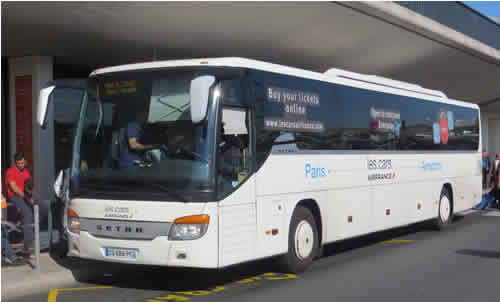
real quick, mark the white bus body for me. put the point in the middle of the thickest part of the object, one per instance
(348, 190)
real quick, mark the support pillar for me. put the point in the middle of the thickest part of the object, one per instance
(26, 76)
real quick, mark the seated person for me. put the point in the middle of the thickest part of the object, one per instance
(133, 154)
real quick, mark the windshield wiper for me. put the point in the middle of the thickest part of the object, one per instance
(128, 189)
(103, 186)
(169, 191)
(168, 105)
(172, 112)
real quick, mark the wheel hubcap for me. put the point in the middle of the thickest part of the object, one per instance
(304, 240)
(444, 210)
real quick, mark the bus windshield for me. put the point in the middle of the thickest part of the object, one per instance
(135, 135)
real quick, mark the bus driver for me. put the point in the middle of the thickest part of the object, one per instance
(132, 155)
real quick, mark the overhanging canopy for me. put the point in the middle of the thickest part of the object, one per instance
(315, 36)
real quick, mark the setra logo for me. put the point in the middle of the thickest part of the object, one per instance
(118, 228)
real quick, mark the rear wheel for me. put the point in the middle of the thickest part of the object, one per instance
(303, 241)
(445, 213)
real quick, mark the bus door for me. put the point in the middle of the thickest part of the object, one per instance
(59, 109)
(236, 187)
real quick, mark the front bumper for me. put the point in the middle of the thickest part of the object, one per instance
(199, 253)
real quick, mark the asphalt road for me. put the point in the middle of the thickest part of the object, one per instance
(461, 263)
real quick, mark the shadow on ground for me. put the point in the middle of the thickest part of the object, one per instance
(162, 278)
(342, 246)
(171, 279)
(480, 253)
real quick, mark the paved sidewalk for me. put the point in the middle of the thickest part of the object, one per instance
(23, 280)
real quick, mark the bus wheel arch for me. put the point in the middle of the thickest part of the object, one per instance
(445, 208)
(449, 187)
(303, 238)
(312, 205)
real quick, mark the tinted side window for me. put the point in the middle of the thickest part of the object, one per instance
(293, 114)
(382, 121)
(349, 118)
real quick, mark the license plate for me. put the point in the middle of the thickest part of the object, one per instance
(120, 253)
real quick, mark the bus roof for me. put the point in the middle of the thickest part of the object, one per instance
(337, 76)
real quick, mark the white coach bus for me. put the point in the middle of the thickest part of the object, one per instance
(208, 163)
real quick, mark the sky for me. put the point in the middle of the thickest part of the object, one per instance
(487, 8)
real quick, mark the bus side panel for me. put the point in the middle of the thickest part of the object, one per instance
(412, 193)
(337, 182)
(466, 172)
(409, 190)
(274, 214)
(350, 213)
(283, 181)
(350, 206)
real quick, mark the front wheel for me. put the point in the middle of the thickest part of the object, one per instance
(445, 213)
(303, 241)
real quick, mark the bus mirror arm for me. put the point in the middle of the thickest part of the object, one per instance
(43, 105)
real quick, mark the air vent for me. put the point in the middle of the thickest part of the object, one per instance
(378, 80)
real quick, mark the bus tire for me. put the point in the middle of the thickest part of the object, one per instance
(445, 213)
(303, 241)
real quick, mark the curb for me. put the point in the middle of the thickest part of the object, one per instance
(35, 284)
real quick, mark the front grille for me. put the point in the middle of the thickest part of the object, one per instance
(119, 229)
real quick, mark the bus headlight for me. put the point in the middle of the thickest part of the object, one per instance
(189, 228)
(73, 222)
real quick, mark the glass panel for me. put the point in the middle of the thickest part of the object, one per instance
(233, 152)
(295, 114)
(67, 104)
(137, 137)
(170, 99)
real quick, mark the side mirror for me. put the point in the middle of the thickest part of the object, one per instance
(43, 105)
(198, 97)
(59, 184)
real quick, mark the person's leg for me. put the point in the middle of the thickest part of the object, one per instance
(484, 173)
(27, 216)
(495, 193)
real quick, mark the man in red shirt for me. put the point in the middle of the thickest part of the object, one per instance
(16, 178)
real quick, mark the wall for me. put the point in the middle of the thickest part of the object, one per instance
(490, 124)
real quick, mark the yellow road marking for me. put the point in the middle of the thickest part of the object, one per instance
(248, 280)
(397, 241)
(53, 293)
(194, 293)
(52, 296)
(284, 277)
(170, 298)
(218, 289)
(267, 276)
